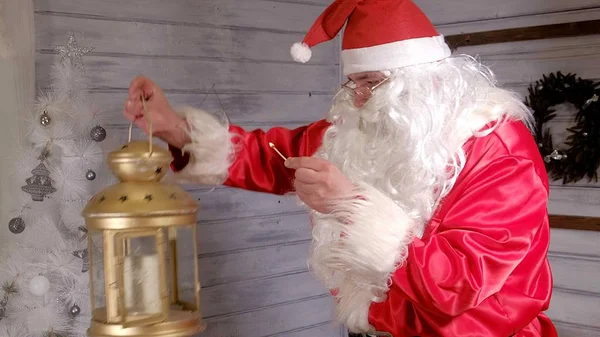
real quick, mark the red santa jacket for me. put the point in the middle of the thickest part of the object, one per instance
(480, 269)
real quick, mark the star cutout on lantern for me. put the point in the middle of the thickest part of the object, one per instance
(72, 51)
(123, 198)
(158, 170)
(83, 255)
(148, 197)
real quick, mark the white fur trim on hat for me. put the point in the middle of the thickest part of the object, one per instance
(301, 52)
(395, 55)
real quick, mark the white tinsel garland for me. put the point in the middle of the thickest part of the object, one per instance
(45, 280)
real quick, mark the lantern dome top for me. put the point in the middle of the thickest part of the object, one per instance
(140, 200)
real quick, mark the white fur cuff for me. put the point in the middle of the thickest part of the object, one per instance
(211, 149)
(356, 249)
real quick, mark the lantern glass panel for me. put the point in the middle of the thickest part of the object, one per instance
(96, 270)
(143, 276)
(183, 256)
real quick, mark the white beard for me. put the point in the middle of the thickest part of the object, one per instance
(406, 143)
(407, 140)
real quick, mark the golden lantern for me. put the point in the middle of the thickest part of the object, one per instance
(141, 245)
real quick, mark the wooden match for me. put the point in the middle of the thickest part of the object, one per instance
(279, 153)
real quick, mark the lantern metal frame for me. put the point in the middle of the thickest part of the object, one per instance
(139, 167)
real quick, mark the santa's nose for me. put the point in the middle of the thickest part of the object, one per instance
(359, 101)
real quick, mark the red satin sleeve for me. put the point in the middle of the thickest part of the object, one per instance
(258, 167)
(488, 253)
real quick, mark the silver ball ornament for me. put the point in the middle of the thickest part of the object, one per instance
(45, 120)
(75, 310)
(98, 133)
(16, 225)
(90, 175)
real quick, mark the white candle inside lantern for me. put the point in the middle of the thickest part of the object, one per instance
(142, 284)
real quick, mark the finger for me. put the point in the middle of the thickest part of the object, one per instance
(308, 176)
(136, 108)
(316, 164)
(135, 87)
(129, 116)
(305, 188)
(304, 197)
(128, 108)
(141, 86)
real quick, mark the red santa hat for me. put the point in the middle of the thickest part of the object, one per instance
(379, 35)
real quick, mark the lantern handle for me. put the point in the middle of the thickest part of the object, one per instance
(148, 120)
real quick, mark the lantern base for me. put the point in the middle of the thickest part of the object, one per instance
(179, 324)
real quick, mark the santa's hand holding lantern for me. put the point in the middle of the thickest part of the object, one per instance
(425, 186)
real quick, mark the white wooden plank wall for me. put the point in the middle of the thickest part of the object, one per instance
(253, 247)
(574, 255)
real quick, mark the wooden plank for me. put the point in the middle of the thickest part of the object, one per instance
(565, 267)
(244, 265)
(578, 243)
(231, 203)
(542, 18)
(199, 75)
(574, 201)
(247, 233)
(252, 264)
(272, 320)
(469, 10)
(575, 222)
(261, 293)
(575, 307)
(559, 30)
(173, 40)
(240, 108)
(327, 329)
(268, 15)
(575, 330)
(525, 62)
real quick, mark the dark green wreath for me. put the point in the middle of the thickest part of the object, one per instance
(580, 155)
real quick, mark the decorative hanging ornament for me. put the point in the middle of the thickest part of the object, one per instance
(75, 310)
(40, 184)
(9, 289)
(578, 157)
(16, 225)
(83, 255)
(90, 175)
(39, 285)
(73, 51)
(98, 133)
(45, 119)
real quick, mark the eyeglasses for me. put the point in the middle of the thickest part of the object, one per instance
(362, 91)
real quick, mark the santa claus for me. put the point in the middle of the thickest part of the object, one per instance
(427, 192)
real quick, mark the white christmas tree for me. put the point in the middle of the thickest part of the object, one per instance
(44, 283)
